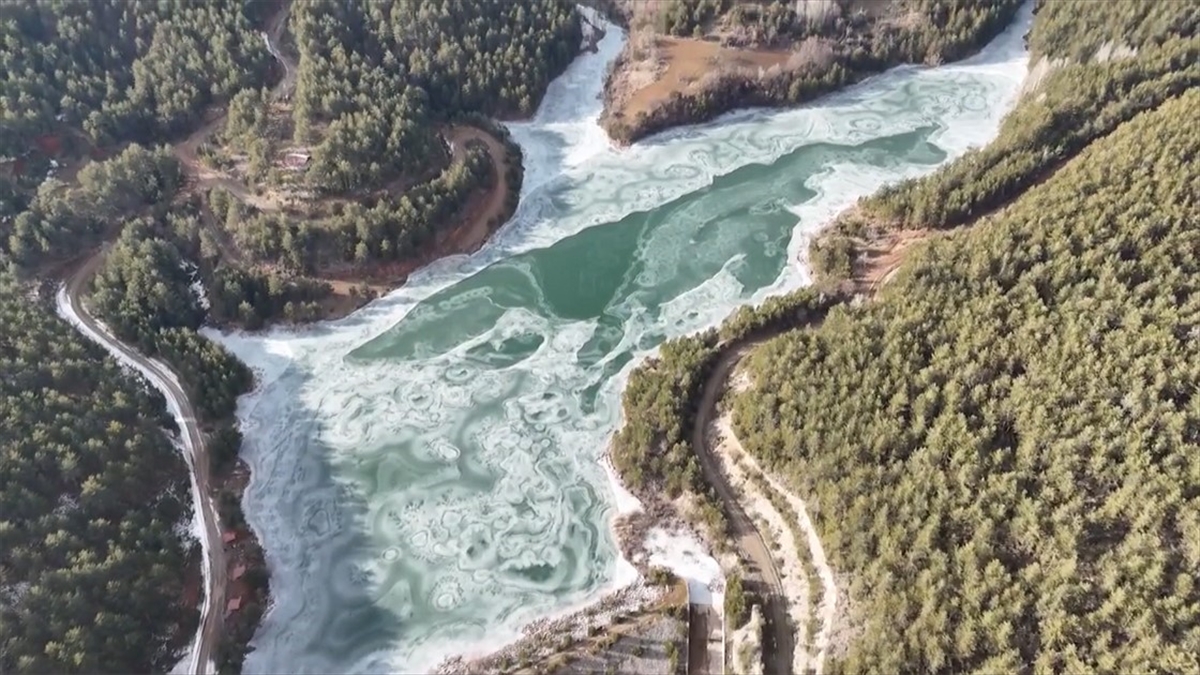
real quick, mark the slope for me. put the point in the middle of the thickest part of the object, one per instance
(1001, 452)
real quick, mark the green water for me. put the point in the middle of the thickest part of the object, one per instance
(428, 473)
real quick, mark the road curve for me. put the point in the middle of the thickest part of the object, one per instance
(781, 638)
(779, 649)
(71, 308)
(271, 37)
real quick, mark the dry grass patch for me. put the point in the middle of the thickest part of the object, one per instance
(683, 66)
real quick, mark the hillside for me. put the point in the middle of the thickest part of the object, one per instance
(292, 160)
(993, 429)
(93, 498)
(328, 152)
(688, 61)
(1087, 78)
(1002, 449)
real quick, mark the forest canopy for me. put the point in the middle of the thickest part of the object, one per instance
(122, 70)
(1103, 63)
(378, 75)
(92, 500)
(1002, 453)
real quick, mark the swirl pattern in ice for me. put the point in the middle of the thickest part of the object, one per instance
(426, 472)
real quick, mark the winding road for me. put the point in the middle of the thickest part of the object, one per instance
(779, 640)
(70, 307)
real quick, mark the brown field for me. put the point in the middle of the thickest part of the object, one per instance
(681, 63)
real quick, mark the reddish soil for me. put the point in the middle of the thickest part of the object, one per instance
(882, 256)
(193, 585)
(49, 144)
(476, 226)
(244, 551)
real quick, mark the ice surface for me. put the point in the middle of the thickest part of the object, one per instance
(429, 472)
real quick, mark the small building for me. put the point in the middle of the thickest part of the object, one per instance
(296, 160)
(229, 536)
(239, 571)
(234, 604)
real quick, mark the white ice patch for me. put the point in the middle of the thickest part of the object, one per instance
(197, 284)
(685, 556)
(184, 665)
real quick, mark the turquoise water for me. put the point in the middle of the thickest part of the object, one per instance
(428, 472)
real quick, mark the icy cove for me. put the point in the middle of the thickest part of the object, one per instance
(427, 472)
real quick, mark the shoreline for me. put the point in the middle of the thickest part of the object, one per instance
(662, 81)
(618, 491)
(475, 227)
(628, 592)
(479, 218)
(450, 244)
(535, 638)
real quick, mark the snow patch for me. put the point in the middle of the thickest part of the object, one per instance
(683, 554)
(197, 284)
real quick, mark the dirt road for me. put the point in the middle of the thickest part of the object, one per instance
(271, 36)
(468, 237)
(71, 308)
(697, 656)
(779, 640)
(478, 224)
(187, 150)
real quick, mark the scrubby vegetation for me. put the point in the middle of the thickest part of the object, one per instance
(932, 31)
(737, 601)
(1022, 404)
(92, 497)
